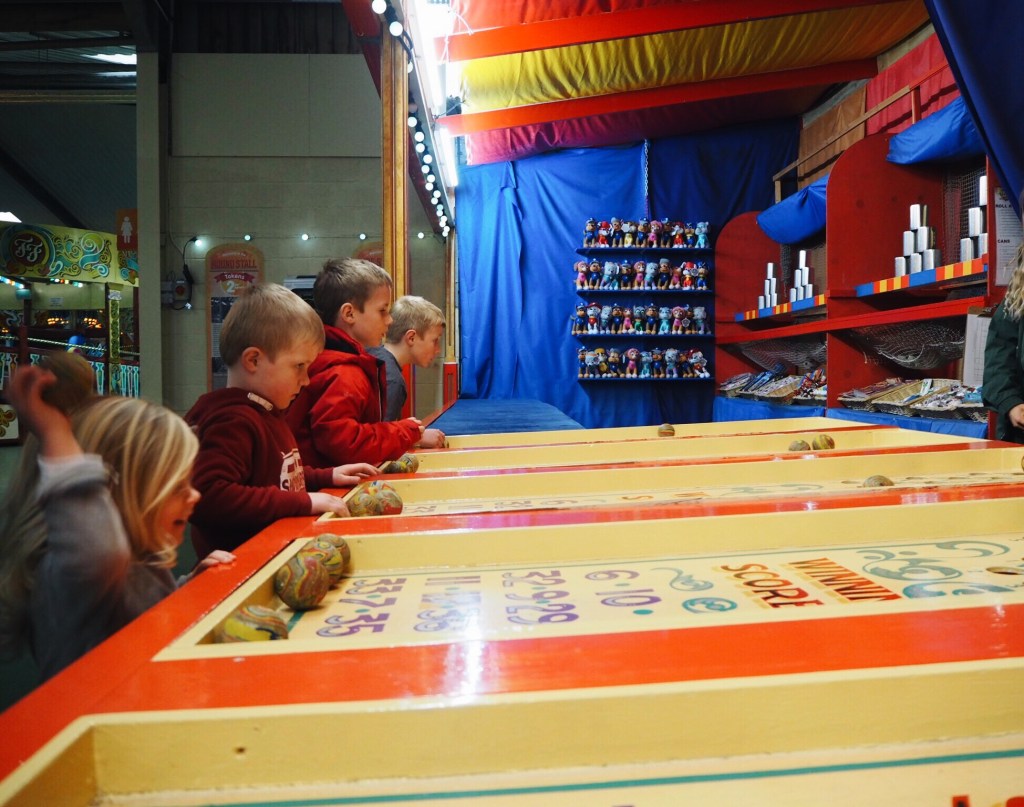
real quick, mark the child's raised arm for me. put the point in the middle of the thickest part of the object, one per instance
(48, 423)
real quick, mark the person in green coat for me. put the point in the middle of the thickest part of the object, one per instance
(1003, 382)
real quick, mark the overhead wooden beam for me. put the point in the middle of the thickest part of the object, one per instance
(394, 102)
(551, 111)
(361, 19)
(587, 29)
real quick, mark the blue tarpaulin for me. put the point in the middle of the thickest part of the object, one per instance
(981, 41)
(520, 224)
(797, 217)
(949, 134)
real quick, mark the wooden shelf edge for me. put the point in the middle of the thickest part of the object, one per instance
(945, 308)
(643, 250)
(637, 378)
(974, 269)
(585, 292)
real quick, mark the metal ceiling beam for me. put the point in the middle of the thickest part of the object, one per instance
(69, 44)
(150, 24)
(587, 29)
(51, 69)
(63, 16)
(533, 114)
(36, 189)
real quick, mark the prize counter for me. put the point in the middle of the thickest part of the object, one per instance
(606, 617)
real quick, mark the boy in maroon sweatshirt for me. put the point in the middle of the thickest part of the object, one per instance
(339, 417)
(248, 469)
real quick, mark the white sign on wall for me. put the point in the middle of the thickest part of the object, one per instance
(1009, 234)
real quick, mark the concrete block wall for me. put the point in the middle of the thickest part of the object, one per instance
(316, 172)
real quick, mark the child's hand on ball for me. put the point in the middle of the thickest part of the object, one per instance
(353, 474)
(433, 438)
(326, 503)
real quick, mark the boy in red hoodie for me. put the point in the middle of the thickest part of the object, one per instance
(248, 469)
(339, 417)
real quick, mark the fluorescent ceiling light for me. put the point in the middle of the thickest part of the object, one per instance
(115, 58)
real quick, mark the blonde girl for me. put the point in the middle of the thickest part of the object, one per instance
(114, 491)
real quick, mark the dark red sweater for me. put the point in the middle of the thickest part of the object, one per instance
(338, 418)
(248, 470)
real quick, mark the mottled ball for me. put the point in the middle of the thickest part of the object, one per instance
(251, 623)
(302, 582)
(878, 481)
(799, 445)
(376, 486)
(406, 464)
(666, 430)
(823, 442)
(390, 502)
(362, 502)
(330, 556)
(340, 543)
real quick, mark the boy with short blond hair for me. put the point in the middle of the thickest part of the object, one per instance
(413, 337)
(248, 469)
(339, 417)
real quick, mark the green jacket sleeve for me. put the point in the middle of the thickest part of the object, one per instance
(1003, 382)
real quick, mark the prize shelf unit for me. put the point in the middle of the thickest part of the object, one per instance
(660, 297)
(862, 316)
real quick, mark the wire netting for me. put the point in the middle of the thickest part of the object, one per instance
(959, 194)
(804, 353)
(920, 345)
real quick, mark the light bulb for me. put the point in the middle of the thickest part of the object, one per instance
(419, 235)
(420, 148)
(362, 236)
(379, 6)
(395, 28)
(419, 137)
(247, 237)
(305, 236)
(427, 159)
(412, 121)
(429, 186)
(430, 177)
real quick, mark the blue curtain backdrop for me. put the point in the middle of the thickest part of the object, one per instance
(981, 40)
(519, 225)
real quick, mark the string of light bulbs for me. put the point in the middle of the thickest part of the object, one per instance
(425, 138)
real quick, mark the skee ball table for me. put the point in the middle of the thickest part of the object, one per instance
(826, 643)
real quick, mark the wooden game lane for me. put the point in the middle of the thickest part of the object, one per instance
(774, 477)
(667, 449)
(562, 436)
(882, 643)
(983, 771)
(423, 590)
